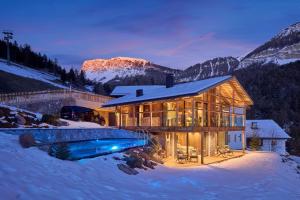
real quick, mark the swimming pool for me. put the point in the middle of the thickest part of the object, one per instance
(93, 148)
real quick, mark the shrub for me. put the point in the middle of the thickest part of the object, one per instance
(134, 161)
(26, 140)
(60, 151)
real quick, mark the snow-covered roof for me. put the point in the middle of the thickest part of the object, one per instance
(266, 128)
(178, 90)
(125, 90)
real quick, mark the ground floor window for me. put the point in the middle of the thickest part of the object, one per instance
(186, 145)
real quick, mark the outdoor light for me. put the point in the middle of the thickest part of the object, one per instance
(114, 147)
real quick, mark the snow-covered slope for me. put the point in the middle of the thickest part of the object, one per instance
(215, 67)
(281, 49)
(104, 70)
(32, 174)
(27, 72)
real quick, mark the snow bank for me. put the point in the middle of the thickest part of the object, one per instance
(32, 174)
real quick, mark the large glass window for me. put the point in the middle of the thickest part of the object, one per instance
(169, 114)
(156, 114)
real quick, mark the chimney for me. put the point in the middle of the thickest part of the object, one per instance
(169, 80)
(139, 93)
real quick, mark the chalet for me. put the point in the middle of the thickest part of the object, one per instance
(191, 120)
(271, 136)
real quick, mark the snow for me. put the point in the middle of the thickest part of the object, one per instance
(80, 124)
(32, 174)
(182, 89)
(131, 89)
(15, 110)
(289, 30)
(109, 74)
(27, 72)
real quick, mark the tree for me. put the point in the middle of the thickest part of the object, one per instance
(63, 76)
(82, 77)
(71, 75)
(254, 142)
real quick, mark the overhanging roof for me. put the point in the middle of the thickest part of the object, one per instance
(179, 90)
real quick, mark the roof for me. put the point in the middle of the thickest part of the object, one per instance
(124, 90)
(266, 128)
(178, 90)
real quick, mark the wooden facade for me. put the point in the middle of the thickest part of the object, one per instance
(196, 123)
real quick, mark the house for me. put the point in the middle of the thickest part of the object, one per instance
(271, 136)
(188, 119)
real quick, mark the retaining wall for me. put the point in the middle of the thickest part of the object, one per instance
(53, 135)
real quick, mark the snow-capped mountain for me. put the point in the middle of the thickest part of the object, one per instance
(215, 67)
(281, 49)
(104, 70)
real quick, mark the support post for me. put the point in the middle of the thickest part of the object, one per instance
(193, 111)
(243, 141)
(150, 114)
(202, 147)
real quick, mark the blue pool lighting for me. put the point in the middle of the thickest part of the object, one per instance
(114, 147)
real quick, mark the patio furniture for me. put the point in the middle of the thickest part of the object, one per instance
(228, 150)
(221, 151)
(193, 156)
(181, 157)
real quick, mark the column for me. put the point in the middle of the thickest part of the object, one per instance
(243, 141)
(202, 147)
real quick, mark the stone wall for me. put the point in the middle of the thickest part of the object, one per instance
(49, 136)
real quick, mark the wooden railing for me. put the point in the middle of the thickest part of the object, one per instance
(20, 97)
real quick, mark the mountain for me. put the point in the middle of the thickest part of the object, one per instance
(215, 67)
(116, 69)
(281, 49)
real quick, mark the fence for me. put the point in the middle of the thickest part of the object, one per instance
(23, 97)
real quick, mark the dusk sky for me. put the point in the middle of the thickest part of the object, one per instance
(177, 34)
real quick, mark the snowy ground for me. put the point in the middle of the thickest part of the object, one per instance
(81, 124)
(32, 174)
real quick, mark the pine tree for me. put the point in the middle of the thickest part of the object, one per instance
(254, 142)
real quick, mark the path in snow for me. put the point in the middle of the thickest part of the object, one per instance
(32, 174)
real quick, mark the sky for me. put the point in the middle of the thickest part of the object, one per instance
(171, 33)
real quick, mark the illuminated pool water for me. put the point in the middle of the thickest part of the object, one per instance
(93, 148)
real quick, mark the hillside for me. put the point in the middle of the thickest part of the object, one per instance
(281, 49)
(12, 83)
(275, 92)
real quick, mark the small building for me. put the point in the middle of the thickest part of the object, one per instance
(190, 120)
(271, 136)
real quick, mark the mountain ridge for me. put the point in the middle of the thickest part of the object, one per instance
(281, 49)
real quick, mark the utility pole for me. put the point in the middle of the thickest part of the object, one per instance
(8, 35)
